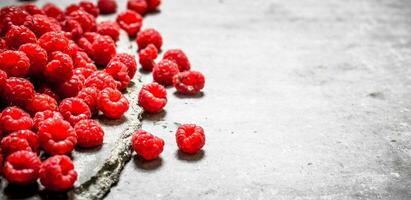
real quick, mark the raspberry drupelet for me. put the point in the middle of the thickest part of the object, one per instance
(56, 136)
(190, 138)
(179, 57)
(119, 72)
(57, 173)
(22, 167)
(147, 57)
(100, 80)
(41, 102)
(164, 72)
(129, 60)
(3, 78)
(20, 140)
(147, 145)
(131, 22)
(149, 36)
(17, 91)
(14, 63)
(107, 6)
(152, 97)
(18, 35)
(89, 133)
(74, 109)
(112, 103)
(189, 82)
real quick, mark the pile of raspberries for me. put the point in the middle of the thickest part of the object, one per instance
(60, 68)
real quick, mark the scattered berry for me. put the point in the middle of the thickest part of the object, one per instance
(152, 5)
(57, 136)
(112, 103)
(57, 173)
(89, 95)
(18, 35)
(14, 63)
(152, 97)
(138, 6)
(13, 15)
(190, 138)
(71, 87)
(129, 60)
(109, 28)
(130, 21)
(90, 8)
(89, 133)
(149, 36)
(179, 57)
(17, 91)
(22, 167)
(103, 49)
(37, 56)
(53, 11)
(119, 72)
(60, 68)
(40, 117)
(100, 80)
(54, 41)
(20, 140)
(86, 20)
(189, 82)
(15, 119)
(41, 102)
(107, 6)
(164, 72)
(74, 109)
(32, 9)
(43, 24)
(147, 57)
(147, 145)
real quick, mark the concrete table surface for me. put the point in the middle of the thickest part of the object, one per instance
(303, 100)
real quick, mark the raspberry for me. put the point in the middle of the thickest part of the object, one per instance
(149, 36)
(15, 119)
(32, 9)
(89, 133)
(57, 136)
(190, 138)
(90, 8)
(3, 45)
(53, 41)
(89, 95)
(71, 87)
(71, 8)
(82, 60)
(138, 6)
(22, 167)
(60, 68)
(153, 4)
(14, 63)
(130, 21)
(103, 49)
(53, 11)
(82, 71)
(179, 57)
(189, 82)
(100, 80)
(72, 49)
(74, 28)
(109, 28)
(20, 140)
(86, 20)
(44, 89)
(164, 72)
(119, 72)
(40, 117)
(107, 6)
(147, 145)
(74, 109)
(17, 91)
(57, 173)
(147, 57)
(37, 56)
(43, 24)
(18, 35)
(152, 97)
(41, 102)
(112, 103)
(12, 15)
(129, 61)
(3, 78)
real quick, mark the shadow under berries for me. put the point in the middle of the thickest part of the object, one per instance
(190, 157)
(196, 96)
(147, 165)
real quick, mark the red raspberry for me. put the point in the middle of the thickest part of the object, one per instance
(14, 63)
(40, 117)
(189, 82)
(100, 80)
(82, 71)
(3, 78)
(71, 87)
(138, 6)
(129, 61)
(54, 41)
(37, 56)
(17, 91)
(74, 28)
(112, 103)
(107, 6)
(119, 72)
(74, 109)
(12, 15)
(57, 173)
(89, 95)
(60, 68)
(72, 49)
(20, 140)
(18, 35)
(147, 145)
(43, 24)
(164, 72)
(22, 167)
(86, 20)
(153, 4)
(32, 9)
(147, 57)
(3, 45)
(57, 136)
(190, 138)
(82, 60)
(179, 57)
(53, 11)
(44, 89)
(41, 102)
(149, 36)
(131, 22)
(152, 97)
(15, 119)
(89, 133)
(71, 8)
(109, 28)
(103, 49)
(90, 8)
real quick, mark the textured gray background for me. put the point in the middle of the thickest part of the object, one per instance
(304, 99)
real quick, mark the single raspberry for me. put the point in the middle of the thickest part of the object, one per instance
(164, 72)
(147, 57)
(100, 80)
(54, 41)
(147, 145)
(152, 97)
(40, 117)
(57, 136)
(3, 78)
(149, 36)
(89, 95)
(189, 82)
(53, 11)
(71, 8)
(43, 24)
(82, 60)
(112, 103)
(119, 72)
(41, 102)
(37, 56)
(109, 28)
(129, 60)
(86, 20)
(32, 9)
(13, 15)
(130, 21)
(89, 133)
(71, 87)
(103, 49)
(45, 89)
(22, 167)
(57, 173)
(74, 109)
(14, 63)
(20, 140)
(190, 138)
(152, 5)
(60, 67)
(138, 6)
(17, 91)
(15, 119)
(107, 6)
(90, 8)
(18, 35)
(179, 57)
(74, 28)
(83, 71)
